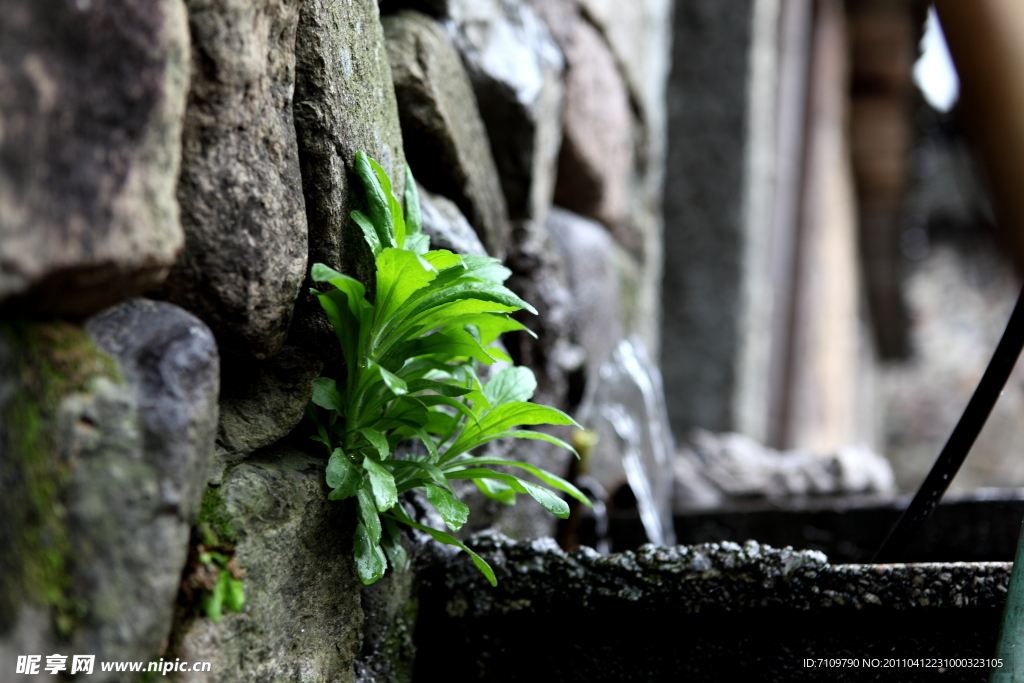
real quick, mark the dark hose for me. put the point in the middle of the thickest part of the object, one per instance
(960, 441)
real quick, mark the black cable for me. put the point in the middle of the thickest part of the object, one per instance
(960, 441)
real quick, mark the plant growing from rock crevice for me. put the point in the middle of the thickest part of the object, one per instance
(411, 358)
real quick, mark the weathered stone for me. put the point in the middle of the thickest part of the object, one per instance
(595, 164)
(91, 102)
(302, 618)
(516, 71)
(593, 280)
(390, 608)
(746, 611)
(741, 468)
(445, 139)
(170, 360)
(446, 226)
(538, 276)
(640, 36)
(344, 103)
(240, 190)
(102, 467)
(262, 402)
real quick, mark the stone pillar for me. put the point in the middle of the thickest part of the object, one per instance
(719, 198)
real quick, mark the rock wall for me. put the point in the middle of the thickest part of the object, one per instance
(199, 153)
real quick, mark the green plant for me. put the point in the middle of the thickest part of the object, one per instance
(411, 358)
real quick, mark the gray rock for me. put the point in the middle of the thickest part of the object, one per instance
(445, 139)
(170, 360)
(640, 36)
(344, 103)
(91, 102)
(516, 71)
(741, 468)
(446, 226)
(104, 460)
(262, 402)
(593, 280)
(596, 161)
(240, 190)
(539, 277)
(302, 618)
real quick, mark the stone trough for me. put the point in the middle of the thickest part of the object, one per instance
(709, 612)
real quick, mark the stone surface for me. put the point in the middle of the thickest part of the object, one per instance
(640, 36)
(170, 360)
(587, 617)
(446, 226)
(344, 103)
(593, 280)
(240, 191)
(539, 277)
(302, 618)
(596, 161)
(104, 463)
(714, 286)
(516, 71)
(445, 139)
(262, 402)
(91, 102)
(742, 468)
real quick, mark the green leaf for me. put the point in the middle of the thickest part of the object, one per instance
(369, 232)
(368, 511)
(452, 511)
(471, 288)
(399, 274)
(211, 604)
(337, 306)
(342, 476)
(444, 400)
(405, 410)
(549, 500)
(486, 268)
(443, 388)
(497, 490)
(378, 441)
(377, 199)
(442, 537)
(395, 383)
(351, 286)
(493, 424)
(510, 384)
(432, 471)
(234, 595)
(453, 343)
(429, 443)
(413, 219)
(382, 482)
(325, 394)
(545, 476)
(490, 326)
(370, 560)
(443, 259)
(417, 244)
(392, 544)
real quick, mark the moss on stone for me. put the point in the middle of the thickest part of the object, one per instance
(213, 514)
(51, 361)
